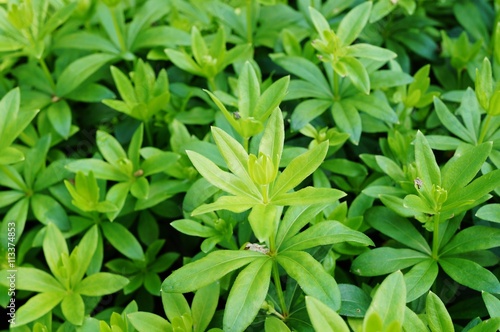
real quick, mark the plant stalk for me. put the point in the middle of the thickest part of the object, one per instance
(435, 237)
(279, 290)
(486, 125)
(249, 21)
(47, 73)
(336, 85)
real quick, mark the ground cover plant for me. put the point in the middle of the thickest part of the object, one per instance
(250, 165)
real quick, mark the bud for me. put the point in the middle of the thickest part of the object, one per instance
(261, 169)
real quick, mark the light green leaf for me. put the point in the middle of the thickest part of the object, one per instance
(223, 180)
(101, 283)
(388, 303)
(73, 308)
(110, 148)
(175, 305)
(148, 322)
(54, 245)
(492, 324)
(37, 306)
(490, 212)
(369, 51)
(273, 324)
(273, 139)
(385, 260)
(247, 295)
(320, 23)
(248, 90)
(438, 318)
(35, 280)
(271, 98)
(140, 188)
(84, 253)
(311, 276)
(353, 23)
(299, 168)
(124, 86)
(427, 167)
(204, 305)
(231, 203)
(100, 168)
(207, 270)
(123, 240)
(451, 122)
(117, 195)
(184, 61)
(263, 220)
(323, 318)
(307, 111)
(308, 196)
(325, 233)
(193, 228)
(492, 304)
(412, 322)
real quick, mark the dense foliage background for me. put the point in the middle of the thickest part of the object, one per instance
(301, 165)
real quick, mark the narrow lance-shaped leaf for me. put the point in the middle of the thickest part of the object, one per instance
(247, 295)
(427, 166)
(438, 317)
(323, 318)
(353, 23)
(208, 269)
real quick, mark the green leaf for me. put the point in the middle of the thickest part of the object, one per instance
(37, 306)
(296, 217)
(420, 279)
(204, 305)
(461, 169)
(438, 318)
(175, 305)
(273, 324)
(308, 196)
(193, 228)
(470, 274)
(492, 304)
(488, 325)
(311, 276)
(320, 23)
(484, 84)
(116, 195)
(369, 51)
(271, 98)
(323, 318)
(159, 162)
(140, 188)
(389, 303)
(490, 212)
(263, 220)
(10, 155)
(235, 157)
(232, 203)
(375, 105)
(356, 72)
(101, 283)
(471, 239)
(451, 122)
(148, 322)
(355, 301)
(110, 148)
(223, 180)
(307, 111)
(381, 261)
(207, 270)
(124, 86)
(427, 167)
(398, 228)
(347, 118)
(412, 322)
(84, 253)
(353, 23)
(248, 90)
(59, 115)
(477, 188)
(306, 70)
(35, 280)
(123, 240)
(299, 168)
(35, 159)
(247, 295)
(100, 168)
(273, 139)
(73, 308)
(48, 210)
(325, 233)
(54, 245)
(184, 61)
(79, 70)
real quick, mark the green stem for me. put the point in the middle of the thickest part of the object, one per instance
(249, 21)
(119, 34)
(435, 237)
(211, 83)
(46, 71)
(486, 125)
(279, 290)
(245, 143)
(336, 85)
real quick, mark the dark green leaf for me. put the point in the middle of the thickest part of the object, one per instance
(385, 260)
(470, 274)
